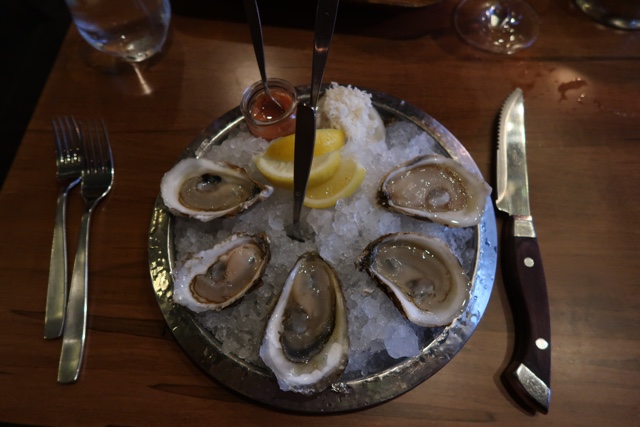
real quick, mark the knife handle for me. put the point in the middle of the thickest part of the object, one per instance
(529, 372)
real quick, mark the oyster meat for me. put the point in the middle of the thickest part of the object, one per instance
(435, 188)
(421, 275)
(204, 189)
(306, 342)
(215, 278)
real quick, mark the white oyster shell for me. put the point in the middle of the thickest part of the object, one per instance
(324, 365)
(421, 274)
(435, 188)
(205, 190)
(215, 278)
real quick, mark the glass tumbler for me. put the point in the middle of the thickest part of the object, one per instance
(133, 30)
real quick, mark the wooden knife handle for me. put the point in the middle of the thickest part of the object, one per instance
(527, 292)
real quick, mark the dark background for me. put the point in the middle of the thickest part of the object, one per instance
(31, 32)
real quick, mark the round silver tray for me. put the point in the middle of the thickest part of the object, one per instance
(258, 383)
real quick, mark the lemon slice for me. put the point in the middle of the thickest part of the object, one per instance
(280, 173)
(327, 140)
(343, 184)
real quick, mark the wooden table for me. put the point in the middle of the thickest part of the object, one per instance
(582, 91)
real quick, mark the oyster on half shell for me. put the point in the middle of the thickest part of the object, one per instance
(215, 278)
(435, 188)
(204, 189)
(421, 275)
(306, 342)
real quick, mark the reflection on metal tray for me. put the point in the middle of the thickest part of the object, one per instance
(259, 383)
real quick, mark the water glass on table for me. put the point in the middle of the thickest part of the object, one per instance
(132, 30)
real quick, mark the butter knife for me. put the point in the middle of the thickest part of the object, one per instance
(528, 375)
(306, 116)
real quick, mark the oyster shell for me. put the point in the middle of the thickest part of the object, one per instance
(421, 274)
(204, 189)
(306, 342)
(435, 188)
(215, 278)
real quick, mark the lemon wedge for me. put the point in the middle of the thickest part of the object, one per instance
(327, 140)
(280, 173)
(342, 184)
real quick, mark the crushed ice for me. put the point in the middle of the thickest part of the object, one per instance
(379, 333)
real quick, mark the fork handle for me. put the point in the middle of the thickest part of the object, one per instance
(57, 287)
(75, 329)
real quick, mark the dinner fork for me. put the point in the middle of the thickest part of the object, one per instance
(68, 172)
(97, 180)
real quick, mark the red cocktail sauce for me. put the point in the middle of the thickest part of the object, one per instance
(269, 121)
(263, 109)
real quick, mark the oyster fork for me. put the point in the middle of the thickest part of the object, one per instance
(68, 173)
(97, 180)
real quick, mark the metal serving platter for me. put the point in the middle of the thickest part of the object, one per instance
(258, 383)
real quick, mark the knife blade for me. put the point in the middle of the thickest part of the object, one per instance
(305, 136)
(528, 375)
(302, 158)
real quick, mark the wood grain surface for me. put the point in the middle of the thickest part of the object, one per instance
(581, 86)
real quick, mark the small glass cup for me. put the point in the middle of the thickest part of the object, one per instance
(264, 118)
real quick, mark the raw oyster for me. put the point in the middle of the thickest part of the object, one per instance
(215, 278)
(204, 189)
(435, 188)
(306, 342)
(421, 274)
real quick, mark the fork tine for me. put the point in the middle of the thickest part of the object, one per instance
(100, 155)
(68, 139)
(106, 156)
(64, 122)
(57, 137)
(75, 137)
(105, 133)
(87, 142)
(88, 149)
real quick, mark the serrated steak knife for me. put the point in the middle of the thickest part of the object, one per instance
(528, 374)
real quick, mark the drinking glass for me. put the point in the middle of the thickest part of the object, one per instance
(499, 26)
(622, 14)
(133, 30)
